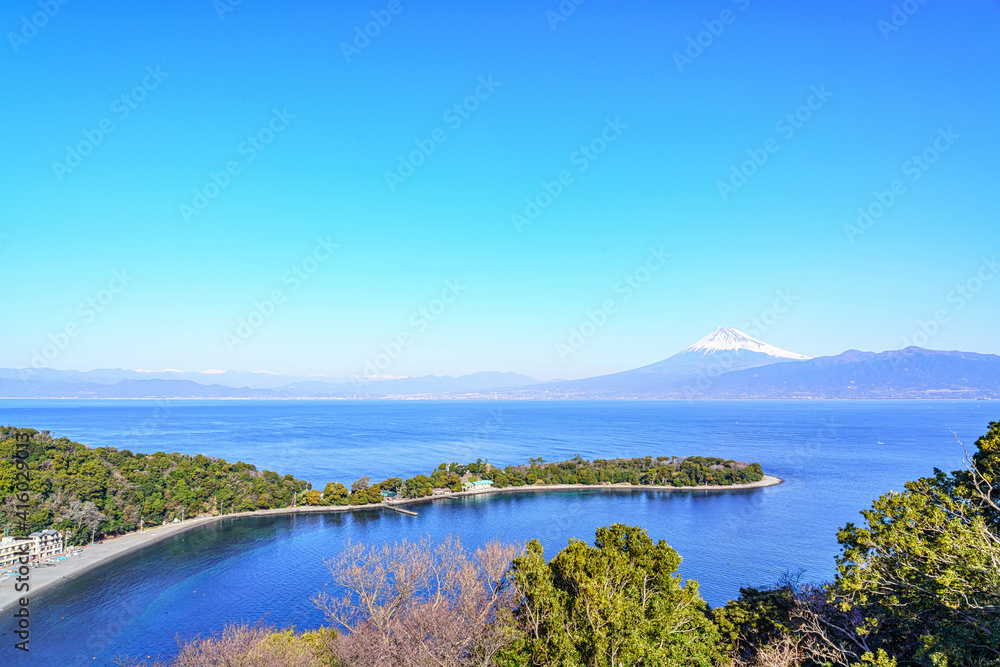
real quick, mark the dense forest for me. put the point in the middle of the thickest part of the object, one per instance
(105, 491)
(917, 584)
(658, 471)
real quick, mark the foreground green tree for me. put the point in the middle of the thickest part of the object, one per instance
(619, 602)
(917, 584)
(760, 623)
(925, 570)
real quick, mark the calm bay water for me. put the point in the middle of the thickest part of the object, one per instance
(835, 457)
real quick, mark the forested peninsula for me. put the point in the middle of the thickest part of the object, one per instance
(917, 583)
(89, 492)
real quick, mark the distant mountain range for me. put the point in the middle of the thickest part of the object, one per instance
(117, 383)
(724, 350)
(726, 364)
(250, 379)
(909, 373)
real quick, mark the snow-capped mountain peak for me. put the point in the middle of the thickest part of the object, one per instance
(726, 338)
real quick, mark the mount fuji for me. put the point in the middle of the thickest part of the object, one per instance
(726, 338)
(729, 364)
(725, 350)
(725, 364)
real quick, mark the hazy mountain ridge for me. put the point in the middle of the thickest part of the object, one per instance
(913, 372)
(242, 379)
(723, 351)
(12, 388)
(726, 364)
(50, 383)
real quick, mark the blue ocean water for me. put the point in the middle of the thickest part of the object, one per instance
(835, 458)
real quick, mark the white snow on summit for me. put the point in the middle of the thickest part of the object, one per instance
(727, 338)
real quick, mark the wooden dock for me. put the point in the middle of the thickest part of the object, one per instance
(400, 510)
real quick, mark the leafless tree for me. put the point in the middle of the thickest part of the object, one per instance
(85, 514)
(417, 603)
(785, 651)
(241, 645)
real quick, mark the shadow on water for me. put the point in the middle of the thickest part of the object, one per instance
(270, 567)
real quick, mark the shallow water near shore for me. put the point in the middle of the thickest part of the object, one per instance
(268, 568)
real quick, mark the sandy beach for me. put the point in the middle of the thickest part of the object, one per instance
(44, 579)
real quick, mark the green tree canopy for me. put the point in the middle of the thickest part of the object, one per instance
(360, 485)
(925, 569)
(619, 602)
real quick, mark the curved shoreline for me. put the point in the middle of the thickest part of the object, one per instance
(768, 480)
(46, 579)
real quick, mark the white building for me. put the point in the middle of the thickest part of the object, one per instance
(42, 544)
(47, 543)
(11, 549)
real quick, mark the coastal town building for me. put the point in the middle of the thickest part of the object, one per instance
(47, 543)
(10, 550)
(477, 485)
(41, 544)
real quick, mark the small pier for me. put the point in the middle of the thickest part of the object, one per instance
(400, 510)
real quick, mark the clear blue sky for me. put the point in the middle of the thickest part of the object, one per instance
(344, 120)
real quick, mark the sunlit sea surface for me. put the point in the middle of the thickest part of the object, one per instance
(835, 458)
